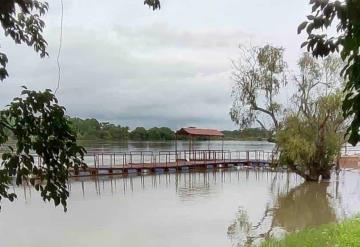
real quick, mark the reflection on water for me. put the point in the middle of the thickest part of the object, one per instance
(209, 208)
(295, 208)
(310, 202)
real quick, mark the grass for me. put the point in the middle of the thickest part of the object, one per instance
(346, 233)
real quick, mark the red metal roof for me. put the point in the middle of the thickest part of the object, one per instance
(191, 131)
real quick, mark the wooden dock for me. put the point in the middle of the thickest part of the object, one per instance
(165, 161)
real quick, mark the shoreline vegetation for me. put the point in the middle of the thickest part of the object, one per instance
(344, 234)
(92, 129)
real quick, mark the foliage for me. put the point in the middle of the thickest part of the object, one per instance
(309, 131)
(345, 15)
(21, 20)
(154, 4)
(155, 133)
(88, 129)
(45, 144)
(92, 129)
(247, 134)
(344, 234)
(311, 135)
(41, 131)
(258, 76)
(309, 145)
(139, 134)
(316, 79)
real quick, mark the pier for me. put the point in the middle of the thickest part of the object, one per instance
(150, 162)
(175, 160)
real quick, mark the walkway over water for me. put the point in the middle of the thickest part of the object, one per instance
(148, 161)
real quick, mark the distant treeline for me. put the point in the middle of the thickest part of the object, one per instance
(93, 129)
(88, 129)
(247, 134)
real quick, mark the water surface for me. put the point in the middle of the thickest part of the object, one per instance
(229, 207)
(212, 208)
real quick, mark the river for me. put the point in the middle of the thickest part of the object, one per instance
(229, 207)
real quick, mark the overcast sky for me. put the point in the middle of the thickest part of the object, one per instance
(124, 63)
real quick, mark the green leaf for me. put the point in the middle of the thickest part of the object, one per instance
(302, 26)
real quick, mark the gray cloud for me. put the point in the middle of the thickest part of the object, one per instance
(126, 64)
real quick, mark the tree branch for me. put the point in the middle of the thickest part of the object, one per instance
(271, 114)
(261, 124)
(6, 125)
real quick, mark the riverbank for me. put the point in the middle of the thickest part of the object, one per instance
(346, 233)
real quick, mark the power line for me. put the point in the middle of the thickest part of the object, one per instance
(60, 46)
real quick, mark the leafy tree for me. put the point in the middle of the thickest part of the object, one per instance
(45, 146)
(153, 134)
(345, 15)
(86, 129)
(160, 134)
(139, 134)
(247, 133)
(113, 132)
(312, 133)
(21, 21)
(258, 76)
(93, 129)
(309, 145)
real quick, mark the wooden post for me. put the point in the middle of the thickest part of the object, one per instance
(222, 148)
(247, 157)
(176, 154)
(189, 148)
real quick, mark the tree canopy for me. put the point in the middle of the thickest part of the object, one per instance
(21, 21)
(45, 144)
(344, 15)
(312, 133)
(309, 143)
(89, 129)
(309, 129)
(258, 75)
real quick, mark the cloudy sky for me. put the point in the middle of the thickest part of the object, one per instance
(124, 63)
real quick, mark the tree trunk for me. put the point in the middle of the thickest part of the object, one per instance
(313, 175)
(325, 174)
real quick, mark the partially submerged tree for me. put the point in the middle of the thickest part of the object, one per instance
(309, 131)
(311, 135)
(309, 144)
(258, 75)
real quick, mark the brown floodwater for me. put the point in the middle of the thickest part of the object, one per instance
(233, 207)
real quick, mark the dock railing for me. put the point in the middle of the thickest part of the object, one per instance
(151, 158)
